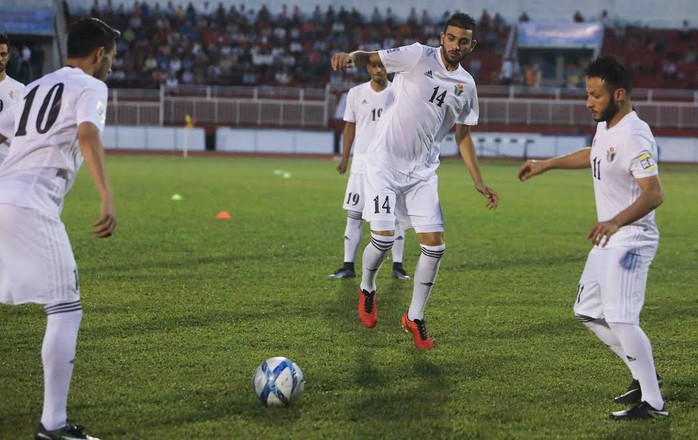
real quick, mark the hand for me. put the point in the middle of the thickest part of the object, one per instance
(490, 194)
(342, 60)
(105, 225)
(530, 169)
(342, 167)
(602, 232)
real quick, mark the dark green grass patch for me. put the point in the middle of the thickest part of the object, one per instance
(180, 308)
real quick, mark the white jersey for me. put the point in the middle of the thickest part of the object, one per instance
(619, 156)
(429, 100)
(364, 108)
(45, 155)
(9, 91)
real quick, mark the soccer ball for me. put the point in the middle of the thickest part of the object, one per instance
(278, 381)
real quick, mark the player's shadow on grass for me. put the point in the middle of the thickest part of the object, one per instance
(521, 260)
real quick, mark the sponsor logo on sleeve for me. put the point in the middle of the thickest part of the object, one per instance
(395, 49)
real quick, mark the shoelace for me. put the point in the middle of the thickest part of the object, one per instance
(368, 301)
(422, 328)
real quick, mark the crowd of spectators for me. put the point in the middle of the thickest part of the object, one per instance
(239, 45)
(204, 44)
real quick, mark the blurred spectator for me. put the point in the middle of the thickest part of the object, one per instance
(578, 17)
(685, 32)
(506, 76)
(524, 17)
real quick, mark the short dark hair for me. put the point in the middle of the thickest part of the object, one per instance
(4, 39)
(612, 72)
(89, 34)
(461, 20)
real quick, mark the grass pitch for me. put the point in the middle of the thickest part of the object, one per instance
(180, 308)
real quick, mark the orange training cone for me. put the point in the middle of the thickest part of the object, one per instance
(223, 215)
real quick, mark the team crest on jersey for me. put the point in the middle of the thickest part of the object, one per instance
(13, 94)
(459, 89)
(611, 154)
(101, 111)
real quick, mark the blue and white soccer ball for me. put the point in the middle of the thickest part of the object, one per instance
(278, 381)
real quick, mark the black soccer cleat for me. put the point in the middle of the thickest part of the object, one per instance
(68, 432)
(634, 393)
(399, 272)
(643, 410)
(342, 273)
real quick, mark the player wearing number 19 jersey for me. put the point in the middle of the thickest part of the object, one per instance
(611, 291)
(432, 94)
(9, 88)
(55, 124)
(365, 105)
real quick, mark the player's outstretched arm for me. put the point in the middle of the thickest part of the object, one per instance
(651, 197)
(467, 152)
(358, 58)
(578, 159)
(93, 152)
(349, 134)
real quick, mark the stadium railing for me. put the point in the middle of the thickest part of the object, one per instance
(312, 108)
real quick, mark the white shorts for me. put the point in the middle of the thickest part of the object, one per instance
(392, 196)
(36, 260)
(354, 195)
(612, 286)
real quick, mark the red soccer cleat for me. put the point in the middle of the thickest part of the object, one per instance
(368, 314)
(418, 328)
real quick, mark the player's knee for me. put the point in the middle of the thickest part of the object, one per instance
(354, 215)
(382, 242)
(431, 239)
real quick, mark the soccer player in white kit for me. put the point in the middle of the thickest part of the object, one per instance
(364, 107)
(9, 88)
(432, 94)
(611, 291)
(55, 125)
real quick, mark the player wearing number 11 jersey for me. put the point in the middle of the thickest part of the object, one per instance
(432, 94)
(55, 124)
(611, 291)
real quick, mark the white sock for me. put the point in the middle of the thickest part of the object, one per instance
(373, 258)
(399, 245)
(638, 348)
(424, 277)
(352, 236)
(608, 337)
(58, 355)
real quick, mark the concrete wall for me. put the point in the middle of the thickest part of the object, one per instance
(250, 140)
(154, 138)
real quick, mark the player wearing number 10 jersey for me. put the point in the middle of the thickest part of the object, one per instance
(55, 123)
(432, 94)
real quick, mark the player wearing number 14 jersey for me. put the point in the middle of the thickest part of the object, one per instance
(432, 94)
(611, 290)
(55, 124)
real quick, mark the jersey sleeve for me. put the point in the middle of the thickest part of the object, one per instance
(401, 59)
(350, 109)
(643, 158)
(92, 105)
(471, 110)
